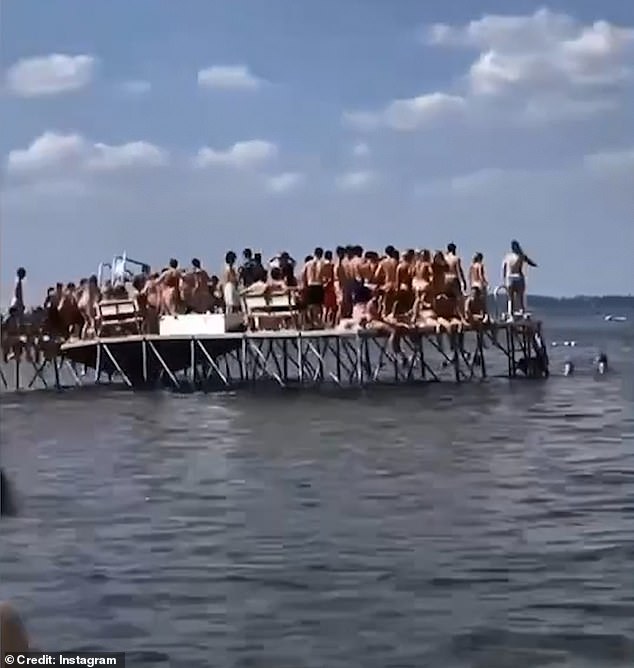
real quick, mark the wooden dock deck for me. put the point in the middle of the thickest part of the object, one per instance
(287, 358)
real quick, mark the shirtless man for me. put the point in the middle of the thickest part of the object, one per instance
(330, 292)
(385, 277)
(169, 284)
(313, 282)
(368, 267)
(343, 282)
(514, 280)
(150, 301)
(454, 276)
(404, 276)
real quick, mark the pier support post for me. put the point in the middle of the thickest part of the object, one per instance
(480, 349)
(144, 360)
(192, 361)
(98, 363)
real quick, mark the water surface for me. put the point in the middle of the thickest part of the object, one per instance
(475, 525)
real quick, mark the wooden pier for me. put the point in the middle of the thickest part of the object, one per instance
(284, 359)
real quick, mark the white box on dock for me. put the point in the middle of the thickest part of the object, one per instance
(200, 324)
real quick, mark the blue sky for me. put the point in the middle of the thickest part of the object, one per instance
(186, 128)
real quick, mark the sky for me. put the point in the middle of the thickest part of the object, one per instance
(184, 129)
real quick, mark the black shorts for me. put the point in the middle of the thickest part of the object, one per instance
(315, 295)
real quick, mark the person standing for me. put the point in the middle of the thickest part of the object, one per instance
(514, 279)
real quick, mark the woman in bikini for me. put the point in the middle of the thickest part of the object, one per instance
(423, 273)
(477, 275)
(170, 286)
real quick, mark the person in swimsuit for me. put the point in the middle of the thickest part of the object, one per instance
(330, 292)
(344, 295)
(454, 276)
(200, 297)
(514, 280)
(385, 278)
(476, 308)
(477, 275)
(314, 291)
(404, 276)
(230, 284)
(169, 284)
(439, 270)
(422, 272)
(87, 305)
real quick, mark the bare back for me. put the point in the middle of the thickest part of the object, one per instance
(514, 264)
(313, 272)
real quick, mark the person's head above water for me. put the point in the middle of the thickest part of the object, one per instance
(515, 247)
(196, 263)
(21, 273)
(451, 248)
(173, 263)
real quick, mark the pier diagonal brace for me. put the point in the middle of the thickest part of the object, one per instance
(322, 349)
(212, 365)
(341, 364)
(117, 366)
(261, 363)
(301, 361)
(39, 373)
(3, 378)
(71, 368)
(453, 360)
(381, 343)
(469, 358)
(416, 345)
(352, 352)
(162, 362)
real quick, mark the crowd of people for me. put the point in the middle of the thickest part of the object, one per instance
(350, 287)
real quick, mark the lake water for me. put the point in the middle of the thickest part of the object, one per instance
(474, 525)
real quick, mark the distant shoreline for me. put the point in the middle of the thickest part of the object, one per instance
(584, 300)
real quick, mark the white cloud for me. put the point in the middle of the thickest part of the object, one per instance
(50, 75)
(285, 182)
(407, 114)
(357, 180)
(228, 77)
(360, 150)
(52, 152)
(242, 155)
(136, 87)
(543, 56)
(48, 150)
(132, 154)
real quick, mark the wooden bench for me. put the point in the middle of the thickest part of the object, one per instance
(119, 316)
(275, 310)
